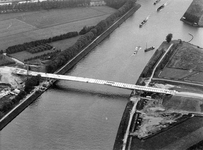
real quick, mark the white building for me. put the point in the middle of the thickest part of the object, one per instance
(97, 3)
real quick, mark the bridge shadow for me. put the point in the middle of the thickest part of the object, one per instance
(90, 93)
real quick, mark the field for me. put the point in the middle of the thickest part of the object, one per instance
(27, 26)
(187, 57)
(185, 64)
(64, 44)
(4, 60)
(25, 55)
(179, 103)
(196, 8)
(56, 17)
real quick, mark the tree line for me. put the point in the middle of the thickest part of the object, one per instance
(64, 56)
(29, 45)
(87, 38)
(39, 48)
(45, 56)
(44, 5)
(115, 3)
(151, 64)
(30, 83)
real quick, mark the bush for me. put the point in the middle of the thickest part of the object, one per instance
(169, 37)
(85, 30)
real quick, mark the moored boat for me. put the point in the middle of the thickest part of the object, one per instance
(156, 2)
(149, 49)
(143, 22)
(161, 7)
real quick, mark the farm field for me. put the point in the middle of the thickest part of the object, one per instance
(172, 73)
(186, 64)
(187, 57)
(56, 17)
(64, 44)
(27, 26)
(179, 103)
(26, 55)
(13, 26)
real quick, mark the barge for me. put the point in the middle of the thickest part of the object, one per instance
(161, 7)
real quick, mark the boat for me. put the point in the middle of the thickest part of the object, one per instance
(149, 49)
(161, 7)
(156, 2)
(143, 22)
(137, 49)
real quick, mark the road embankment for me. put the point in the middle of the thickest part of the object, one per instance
(34, 95)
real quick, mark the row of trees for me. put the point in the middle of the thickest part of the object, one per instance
(157, 55)
(87, 38)
(29, 86)
(85, 30)
(115, 3)
(10, 103)
(167, 58)
(45, 56)
(33, 6)
(32, 44)
(151, 64)
(40, 48)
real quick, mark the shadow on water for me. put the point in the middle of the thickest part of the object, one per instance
(90, 93)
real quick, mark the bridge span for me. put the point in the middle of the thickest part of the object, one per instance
(94, 81)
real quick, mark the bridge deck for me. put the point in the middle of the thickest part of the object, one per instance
(95, 81)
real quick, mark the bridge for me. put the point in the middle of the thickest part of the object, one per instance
(94, 81)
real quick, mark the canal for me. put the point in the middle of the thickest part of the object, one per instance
(81, 116)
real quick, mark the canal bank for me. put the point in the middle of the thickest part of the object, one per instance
(28, 100)
(170, 55)
(119, 143)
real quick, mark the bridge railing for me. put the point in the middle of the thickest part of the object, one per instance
(94, 81)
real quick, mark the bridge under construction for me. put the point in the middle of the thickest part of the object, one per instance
(94, 81)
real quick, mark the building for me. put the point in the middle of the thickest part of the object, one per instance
(97, 3)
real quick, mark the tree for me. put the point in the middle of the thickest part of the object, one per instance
(169, 37)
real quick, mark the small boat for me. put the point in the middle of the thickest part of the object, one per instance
(137, 49)
(156, 2)
(161, 7)
(143, 22)
(149, 49)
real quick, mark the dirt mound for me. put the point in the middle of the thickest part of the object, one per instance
(6, 76)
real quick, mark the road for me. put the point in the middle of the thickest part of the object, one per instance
(150, 78)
